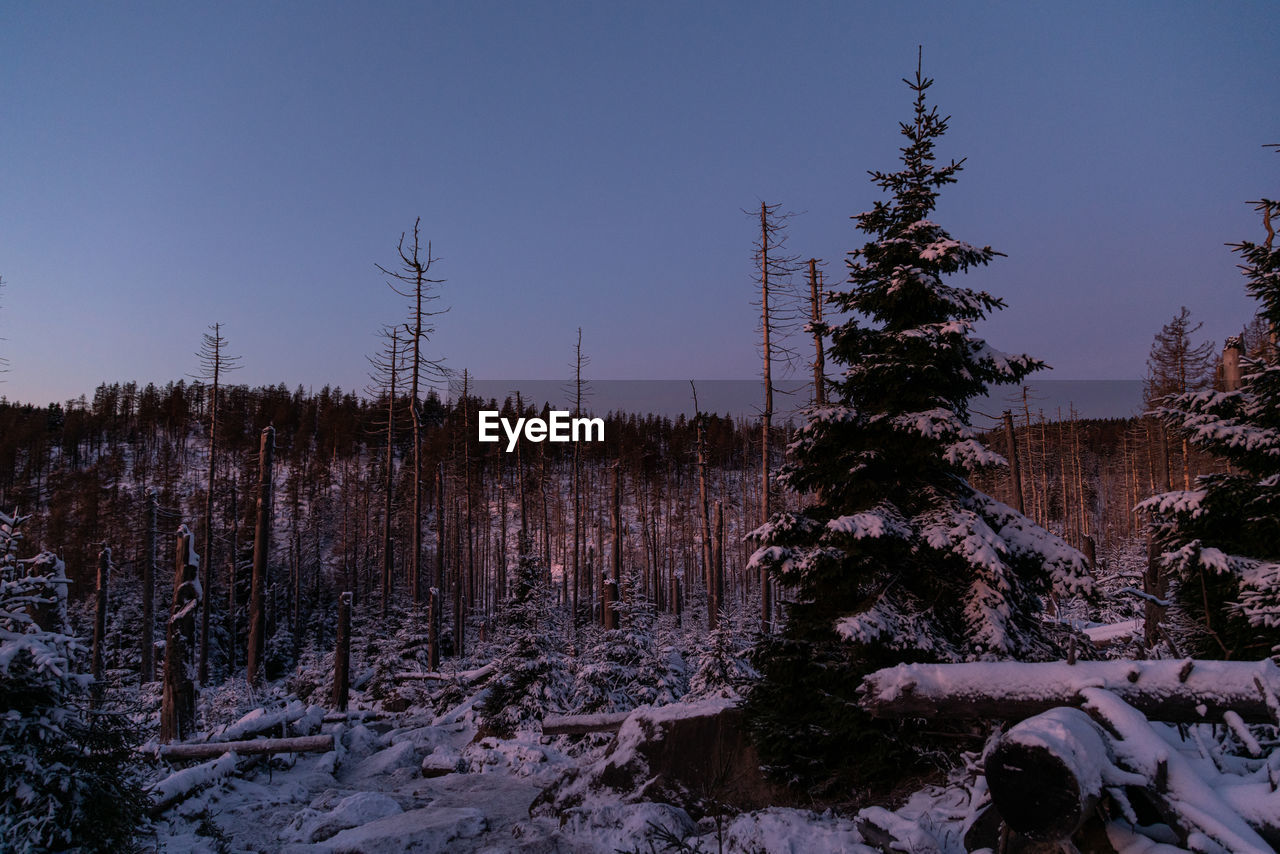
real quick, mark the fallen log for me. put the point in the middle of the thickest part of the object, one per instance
(206, 750)
(1186, 691)
(1045, 773)
(180, 785)
(466, 677)
(355, 716)
(582, 724)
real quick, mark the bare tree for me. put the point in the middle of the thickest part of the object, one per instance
(386, 373)
(261, 554)
(410, 279)
(214, 362)
(774, 271)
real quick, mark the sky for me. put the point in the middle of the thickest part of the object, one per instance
(167, 166)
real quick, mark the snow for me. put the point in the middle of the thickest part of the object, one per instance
(778, 830)
(428, 829)
(1111, 632)
(1141, 750)
(352, 811)
(1220, 684)
(193, 778)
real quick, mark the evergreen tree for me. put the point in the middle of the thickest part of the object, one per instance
(1221, 540)
(68, 775)
(898, 558)
(532, 671)
(629, 666)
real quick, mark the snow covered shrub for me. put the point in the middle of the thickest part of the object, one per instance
(66, 772)
(533, 671)
(1221, 540)
(628, 666)
(899, 557)
(724, 656)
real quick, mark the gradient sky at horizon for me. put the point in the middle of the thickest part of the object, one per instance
(169, 165)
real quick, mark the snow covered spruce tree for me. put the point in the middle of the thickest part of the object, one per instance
(897, 558)
(1221, 540)
(533, 676)
(66, 773)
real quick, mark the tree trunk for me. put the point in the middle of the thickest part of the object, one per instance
(1015, 471)
(178, 698)
(766, 419)
(1175, 691)
(1045, 773)
(433, 621)
(149, 586)
(100, 620)
(342, 654)
(815, 318)
(261, 554)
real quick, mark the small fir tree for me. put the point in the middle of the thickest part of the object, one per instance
(630, 666)
(532, 675)
(1221, 540)
(898, 558)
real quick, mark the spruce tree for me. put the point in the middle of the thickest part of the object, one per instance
(897, 558)
(533, 672)
(1221, 540)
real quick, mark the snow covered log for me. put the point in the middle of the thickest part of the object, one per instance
(1045, 774)
(1186, 691)
(298, 744)
(182, 784)
(582, 724)
(466, 677)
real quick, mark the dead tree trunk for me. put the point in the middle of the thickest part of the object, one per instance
(815, 320)
(1045, 773)
(1015, 471)
(261, 554)
(1154, 584)
(342, 654)
(178, 699)
(1188, 691)
(388, 558)
(149, 586)
(704, 513)
(766, 418)
(100, 620)
(433, 616)
(610, 587)
(717, 565)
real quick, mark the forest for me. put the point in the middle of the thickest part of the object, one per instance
(241, 618)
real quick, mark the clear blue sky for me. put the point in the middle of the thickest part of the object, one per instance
(168, 165)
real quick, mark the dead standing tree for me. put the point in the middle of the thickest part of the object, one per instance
(774, 270)
(214, 362)
(261, 554)
(178, 699)
(386, 372)
(409, 279)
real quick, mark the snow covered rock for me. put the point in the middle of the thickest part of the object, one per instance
(361, 808)
(695, 755)
(402, 755)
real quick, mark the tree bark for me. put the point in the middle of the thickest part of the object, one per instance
(1015, 471)
(342, 654)
(178, 698)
